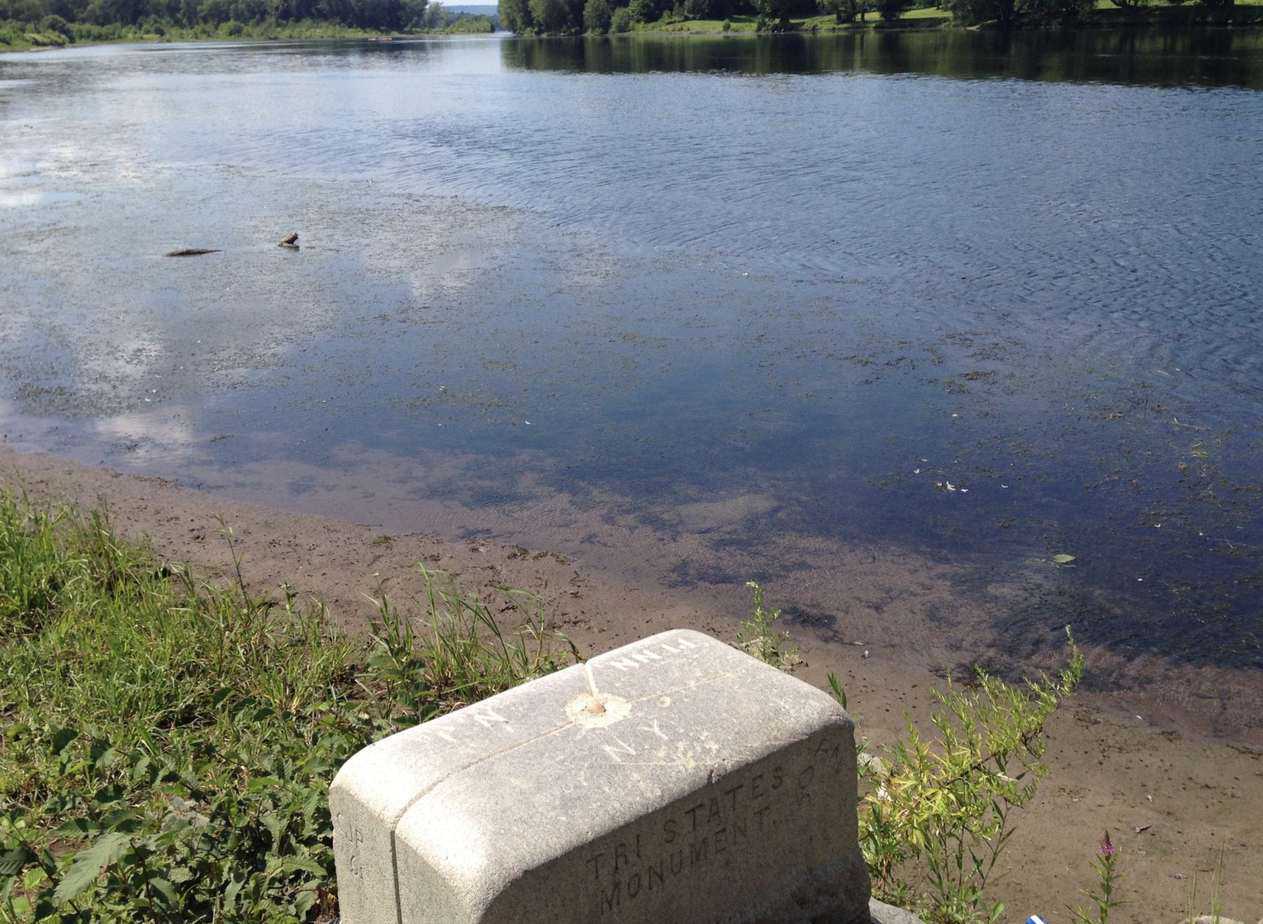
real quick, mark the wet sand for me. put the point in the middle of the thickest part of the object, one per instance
(1144, 763)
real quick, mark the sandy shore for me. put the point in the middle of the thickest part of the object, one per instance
(1172, 796)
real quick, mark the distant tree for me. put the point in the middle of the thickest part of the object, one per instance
(376, 14)
(69, 10)
(21, 10)
(705, 9)
(621, 20)
(842, 10)
(596, 16)
(335, 10)
(515, 15)
(550, 15)
(104, 12)
(774, 15)
(1009, 13)
(53, 23)
(645, 10)
(890, 9)
(412, 13)
(436, 16)
(1038, 11)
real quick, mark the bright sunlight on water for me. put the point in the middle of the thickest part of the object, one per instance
(964, 300)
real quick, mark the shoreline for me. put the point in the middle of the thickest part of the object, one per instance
(1167, 19)
(323, 33)
(1156, 18)
(1169, 796)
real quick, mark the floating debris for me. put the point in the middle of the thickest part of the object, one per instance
(190, 252)
(290, 241)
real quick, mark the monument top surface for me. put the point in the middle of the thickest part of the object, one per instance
(667, 777)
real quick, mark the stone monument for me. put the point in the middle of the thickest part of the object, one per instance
(675, 779)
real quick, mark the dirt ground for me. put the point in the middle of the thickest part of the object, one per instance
(1175, 799)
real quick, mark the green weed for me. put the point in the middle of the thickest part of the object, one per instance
(758, 637)
(936, 814)
(166, 745)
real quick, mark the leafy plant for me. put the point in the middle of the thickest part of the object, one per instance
(937, 813)
(757, 636)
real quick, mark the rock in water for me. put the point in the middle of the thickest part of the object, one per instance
(290, 241)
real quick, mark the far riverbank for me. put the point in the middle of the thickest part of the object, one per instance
(17, 37)
(1105, 16)
(33, 37)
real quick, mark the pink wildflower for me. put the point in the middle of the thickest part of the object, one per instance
(1107, 846)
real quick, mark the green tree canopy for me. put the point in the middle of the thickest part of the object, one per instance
(596, 16)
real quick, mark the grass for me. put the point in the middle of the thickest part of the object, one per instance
(166, 745)
(824, 23)
(827, 23)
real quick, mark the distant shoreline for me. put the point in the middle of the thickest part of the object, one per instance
(299, 32)
(1167, 19)
(921, 19)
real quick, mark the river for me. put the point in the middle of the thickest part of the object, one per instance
(947, 328)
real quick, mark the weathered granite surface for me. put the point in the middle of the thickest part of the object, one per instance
(674, 779)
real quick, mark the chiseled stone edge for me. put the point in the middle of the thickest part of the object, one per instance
(423, 756)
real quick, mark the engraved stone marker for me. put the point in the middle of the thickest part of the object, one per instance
(675, 779)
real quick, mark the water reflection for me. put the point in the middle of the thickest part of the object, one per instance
(1207, 57)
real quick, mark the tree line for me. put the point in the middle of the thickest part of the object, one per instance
(159, 16)
(561, 17)
(573, 17)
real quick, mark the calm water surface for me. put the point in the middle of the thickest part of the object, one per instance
(975, 301)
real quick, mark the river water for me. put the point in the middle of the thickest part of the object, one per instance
(713, 309)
